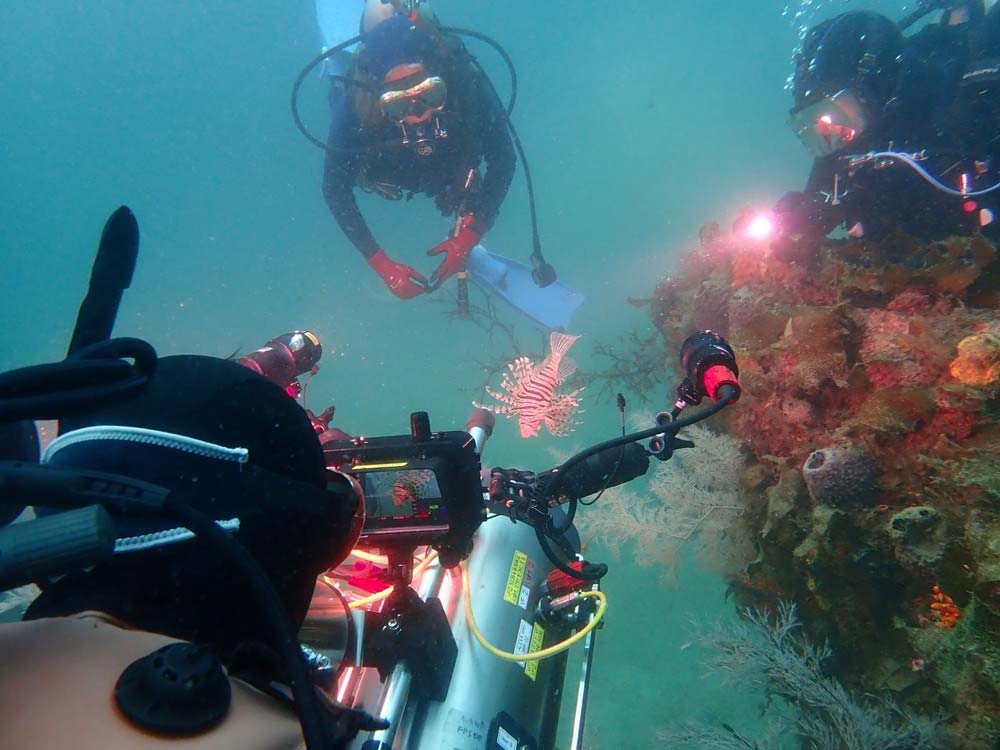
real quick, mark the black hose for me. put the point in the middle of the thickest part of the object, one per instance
(560, 529)
(509, 109)
(589, 573)
(536, 243)
(354, 82)
(93, 376)
(298, 84)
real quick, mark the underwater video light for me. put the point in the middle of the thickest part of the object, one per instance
(710, 363)
(761, 227)
(281, 360)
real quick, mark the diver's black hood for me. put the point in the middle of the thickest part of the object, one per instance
(289, 522)
(857, 50)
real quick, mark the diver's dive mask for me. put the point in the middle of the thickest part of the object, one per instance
(830, 124)
(414, 104)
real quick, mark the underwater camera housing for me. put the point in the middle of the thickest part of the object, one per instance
(283, 359)
(418, 489)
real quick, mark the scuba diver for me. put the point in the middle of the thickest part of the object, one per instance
(904, 129)
(418, 117)
(90, 648)
(182, 516)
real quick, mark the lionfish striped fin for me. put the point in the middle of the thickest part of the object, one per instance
(566, 368)
(503, 398)
(521, 369)
(559, 416)
(507, 411)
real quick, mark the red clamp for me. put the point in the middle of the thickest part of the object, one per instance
(561, 583)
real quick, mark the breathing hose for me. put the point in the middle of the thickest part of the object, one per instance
(928, 177)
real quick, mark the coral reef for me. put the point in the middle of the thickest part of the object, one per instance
(871, 416)
(816, 709)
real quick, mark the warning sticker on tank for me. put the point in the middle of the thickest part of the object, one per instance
(515, 578)
(535, 644)
(523, 643)
(522, 600)
(505, 739)
(463, 732)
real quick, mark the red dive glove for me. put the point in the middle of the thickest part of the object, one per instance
(402, 280)
(458, 249)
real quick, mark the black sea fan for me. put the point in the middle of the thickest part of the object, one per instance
(820, 713)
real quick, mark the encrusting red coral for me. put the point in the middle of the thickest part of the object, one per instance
(978, 360)
(946, 609)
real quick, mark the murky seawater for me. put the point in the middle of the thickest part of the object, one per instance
(641, 121)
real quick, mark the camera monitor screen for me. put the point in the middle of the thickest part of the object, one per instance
(402, 495)
(416, 490)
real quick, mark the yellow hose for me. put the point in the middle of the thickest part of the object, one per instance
(369, 557)
(384, 594)
(534, 655)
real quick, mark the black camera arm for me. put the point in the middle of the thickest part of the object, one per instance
(528, 497)
(709, 364)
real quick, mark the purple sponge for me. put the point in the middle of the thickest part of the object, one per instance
(840, 475)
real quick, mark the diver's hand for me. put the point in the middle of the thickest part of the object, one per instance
(402, 280)
(457, 249)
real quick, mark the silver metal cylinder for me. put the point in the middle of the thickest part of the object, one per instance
(489, 699)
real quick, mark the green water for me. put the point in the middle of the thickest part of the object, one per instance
(641, 121)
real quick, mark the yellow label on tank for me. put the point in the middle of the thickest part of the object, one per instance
(515, 578)
(537, 638)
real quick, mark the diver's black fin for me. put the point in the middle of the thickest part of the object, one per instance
(110, 276)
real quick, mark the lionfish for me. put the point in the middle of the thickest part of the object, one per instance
(411, 486)
(530, 391)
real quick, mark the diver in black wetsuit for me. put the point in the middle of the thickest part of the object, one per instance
(861, 89)
(419, 117)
